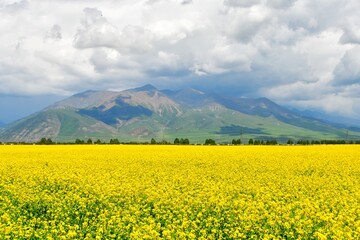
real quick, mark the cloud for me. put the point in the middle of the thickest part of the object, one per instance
(347, 72)
(14, 7)
(151, 2)
(331, 103)
(281, 4)
(241, 3)
(288, 50)
(54, 33)
(95, 31)
(185, 2)
(182, 2)
(351, 33)
(245, 24)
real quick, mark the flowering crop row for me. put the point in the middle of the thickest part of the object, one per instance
(179, 192)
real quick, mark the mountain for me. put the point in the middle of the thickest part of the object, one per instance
(143, 113)
(340, 121)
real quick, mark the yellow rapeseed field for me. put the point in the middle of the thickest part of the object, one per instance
(179, 192)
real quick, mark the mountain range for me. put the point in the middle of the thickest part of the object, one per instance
(143, 113)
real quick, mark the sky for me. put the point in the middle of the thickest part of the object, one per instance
(299, 53)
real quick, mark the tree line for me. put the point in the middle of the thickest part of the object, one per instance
(186, 141)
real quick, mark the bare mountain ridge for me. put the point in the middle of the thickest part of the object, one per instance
(147, 96)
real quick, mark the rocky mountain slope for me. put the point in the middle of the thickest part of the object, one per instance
(143, 113)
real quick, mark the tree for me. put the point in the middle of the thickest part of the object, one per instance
(303, 142)
(251, 141)
(79, 141)
(89, 141)
(176, 141)
(114, 141)
(42, 141)
(290, 142)
(164, 142)
(210, 141)
(184, 141)
(236, 141)
(45, 141)
(153, 141)
(98, 141)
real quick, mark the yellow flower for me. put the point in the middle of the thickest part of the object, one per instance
(153, 192)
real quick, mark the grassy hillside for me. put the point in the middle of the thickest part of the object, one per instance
(145, 113)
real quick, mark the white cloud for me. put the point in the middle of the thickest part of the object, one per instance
(95, 31)
(331, 103)
(280, 48)
(241, 3)
(243, 24)
(185, 2)
(351, 32)
(282, 4)
(12, 7)
(54, 33)
(347, 72)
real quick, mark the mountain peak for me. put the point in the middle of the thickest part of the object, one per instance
(264, 99)
(84, 100)
(85, 93)
(145, 112)
(145, 88)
